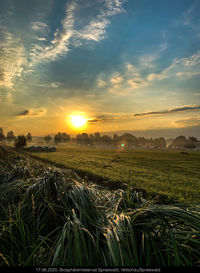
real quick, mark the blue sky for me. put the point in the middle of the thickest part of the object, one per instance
(125, 65)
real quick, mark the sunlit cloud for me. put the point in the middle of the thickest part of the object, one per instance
(31, 113)
(116, 79)
(101, 83)
(172, 110)
(188, 122)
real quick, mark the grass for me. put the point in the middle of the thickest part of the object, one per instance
(159, 172)
(51, 217)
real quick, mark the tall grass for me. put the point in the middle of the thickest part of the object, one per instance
(52, 217)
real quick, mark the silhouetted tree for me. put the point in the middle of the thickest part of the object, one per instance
(129, 140)
(115, 140)
(65, 137)
(61, 137)
(58, 138)
(190, 146)
(47, 138)
(179, 142)
(29, 137)
(2, 137)
(97, 138)
(193, 139)
(10, 136)
(106, 140)
(82, 139)
(20, 142)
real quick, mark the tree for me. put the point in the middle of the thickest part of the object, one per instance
(189, 146)
(65, 137)
(115, 139)
(61, 137)
(10, 136)
(106, 140)
(47, 138)
(2, 137)
(193, 139)
(58, 138)
(179, 141)
(29, 137)
(83, 139)
(129, 140)
(20, 142)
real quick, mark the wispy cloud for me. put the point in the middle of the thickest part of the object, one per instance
(12, 58)
(59, 46)
(188, 67)
(123, 82)
(39, 26)
(31, 113)
(187, 122)
(168, 111)
(48, 85)
(110, 118)
(187, 15)
(68, 35)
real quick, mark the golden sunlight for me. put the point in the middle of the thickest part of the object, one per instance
(77, 122)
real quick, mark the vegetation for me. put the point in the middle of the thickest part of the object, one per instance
(2, 136)
(47, 138)
(51, 217)
(10, 136)
(20, 142)
(159, 172)
(29, 137)
(61, 138)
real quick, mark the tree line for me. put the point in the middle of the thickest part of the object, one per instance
(126, 140)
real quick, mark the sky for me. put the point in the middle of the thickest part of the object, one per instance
(125, 65)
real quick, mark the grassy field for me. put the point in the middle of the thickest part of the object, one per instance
(49, 216)
(169, 172)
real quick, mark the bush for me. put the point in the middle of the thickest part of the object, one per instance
(20, 142)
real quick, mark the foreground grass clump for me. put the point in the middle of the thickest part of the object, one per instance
(50, 217)
(167, 172)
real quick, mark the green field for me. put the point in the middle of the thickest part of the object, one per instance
(49, 216)
(169, 172)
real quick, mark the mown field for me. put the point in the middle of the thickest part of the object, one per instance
(170, 172)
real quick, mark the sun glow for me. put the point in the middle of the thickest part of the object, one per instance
(77, 121)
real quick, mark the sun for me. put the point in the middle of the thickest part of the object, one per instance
(78, 122)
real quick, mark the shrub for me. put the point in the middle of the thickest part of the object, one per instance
(20, 142)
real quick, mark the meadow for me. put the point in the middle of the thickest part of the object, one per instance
(50, 216)
(171, 173)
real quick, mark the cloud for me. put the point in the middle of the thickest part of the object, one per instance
(109, 118)
(187, 15)
(101, 83)
(188, 74)
(125, 117)
(123, 82)
(69, 35)
(12, 58)
(48, 85)
(173, 110)
(31, 113)
(188, 67)
(116, 79)
(59, 45)
(156, 76)
(188, 122)
(39, 26)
